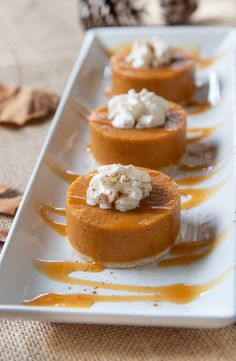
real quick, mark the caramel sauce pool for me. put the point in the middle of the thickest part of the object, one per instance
(179, 293)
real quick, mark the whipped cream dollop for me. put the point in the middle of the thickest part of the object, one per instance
(120, 186)
(150, 53)
(137, 110)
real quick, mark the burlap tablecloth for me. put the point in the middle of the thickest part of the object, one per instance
(39, 42)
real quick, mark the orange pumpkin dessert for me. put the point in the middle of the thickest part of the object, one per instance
(123, 216)
(152, 145)
(167, 71)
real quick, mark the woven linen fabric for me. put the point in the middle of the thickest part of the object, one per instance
(39, 42)
(24, 341)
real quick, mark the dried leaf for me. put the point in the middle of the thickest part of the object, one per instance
(7, 93)
(5, 187)
(3, 234)
(9, 206)
(18, 106)
(9, 199)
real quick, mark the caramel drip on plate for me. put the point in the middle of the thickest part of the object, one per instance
(177, 293)
(203, 63)
(54, 210)
(198, 178)
(83, 300)
(198, 108)
(44, 210)
(62, 268)
(189, 247)
(192, 251)
(199, 195)
(183, 260)
(202, 133)
(195, 167)
(60, 273)
(66, 175)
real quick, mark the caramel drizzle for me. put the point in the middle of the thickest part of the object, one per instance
(81, 300)
(189, 252)
(44, 210)
(196, 167)
(202, 133)
(203, 63)
(59, 268)
(55, 210)
(198, 178)
(198, 108)
(183, 260)
(66, 175)
(179, 293)
(199, 195)
(60, 273)
(57, 271)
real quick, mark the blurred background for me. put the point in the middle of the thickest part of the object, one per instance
(42, 34)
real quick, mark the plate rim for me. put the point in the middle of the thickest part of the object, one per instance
(27, 312)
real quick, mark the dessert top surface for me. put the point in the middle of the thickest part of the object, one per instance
(179, 62)
(175, 119)
(143, 109)
(162, 199)
(146, 53)
(119, 186)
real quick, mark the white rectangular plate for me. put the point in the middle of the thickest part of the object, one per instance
(31, 238)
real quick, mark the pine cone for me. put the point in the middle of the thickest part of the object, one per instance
(177, 12)
(97, 13)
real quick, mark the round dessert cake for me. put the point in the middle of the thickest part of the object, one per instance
(150, 147)
(124, 239)
(174, 81)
